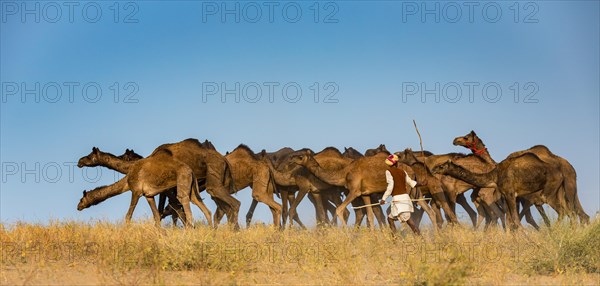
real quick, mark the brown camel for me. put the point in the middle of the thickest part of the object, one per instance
(514, 178)
(362, 177)
(361, 213)
(123, 164)
(248, 170)
(380, 148)
(149, 177)
(352, 153)
(208, 164)
(472, 142)
(488, 207)
(285, 184)
(307, 183)
(428, 184)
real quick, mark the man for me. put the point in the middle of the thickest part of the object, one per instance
(402, 205)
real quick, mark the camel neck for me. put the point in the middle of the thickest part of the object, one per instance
(335, 178)
(100, 194)
(115, 163)
(482, 180)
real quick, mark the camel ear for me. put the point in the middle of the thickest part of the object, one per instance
(84, 192)
(94, 149)
(473, 132)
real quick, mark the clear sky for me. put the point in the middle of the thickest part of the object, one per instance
(140, 74)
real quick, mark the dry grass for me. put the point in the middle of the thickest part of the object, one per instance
(105, 253)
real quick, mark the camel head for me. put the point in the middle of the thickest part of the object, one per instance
(373, 152)
(351, 153)
(84, 202)
(443, 168)
(301, 157)
(407, 156)
(467, 140)
(130, 155)
(90, 160)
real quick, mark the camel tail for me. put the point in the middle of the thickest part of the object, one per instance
(272, 186)
(227, 175)
(196, 187)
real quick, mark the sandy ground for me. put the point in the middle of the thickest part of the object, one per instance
(90, 275)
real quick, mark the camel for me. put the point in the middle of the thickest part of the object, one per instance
(380, 148)
(454, 189)
(307, 183)
(361, 177)
(285, 185)
(148, 177)
(361, 213)
(123, 165)
(428, 184)
(472, 142)
(248, 170)
(484, 199)
(352, 153)
(514, 178)
(210, 165)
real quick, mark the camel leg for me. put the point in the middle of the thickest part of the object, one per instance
(162, 199)
(269, 201)
(418, 215)
(284, 205)
(543, 214)
(526, 212)
(320, 209)
(318, 216)
(251, 212)
(429, 212)
(134, 200)
(340, 209)
(200, 204)
(216, 188)
(370, 214)
(438, 214)
(440, 197)
(296, 218)
(155, 211)
(184, 192)
(337, 200)
(358, 213)
(301, 193)
(460, 199)
(378, 210)
(511, 210)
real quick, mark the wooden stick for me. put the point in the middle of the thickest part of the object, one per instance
(420, 140)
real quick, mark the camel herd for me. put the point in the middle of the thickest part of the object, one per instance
(333, 179)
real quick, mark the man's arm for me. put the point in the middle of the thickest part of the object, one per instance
(412, 183)
(390, 185)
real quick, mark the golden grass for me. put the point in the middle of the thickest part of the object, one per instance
(105, 253)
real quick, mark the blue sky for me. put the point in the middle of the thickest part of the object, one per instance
(366, 53)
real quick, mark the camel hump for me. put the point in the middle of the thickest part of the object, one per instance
(165, 152)
(332, 149)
